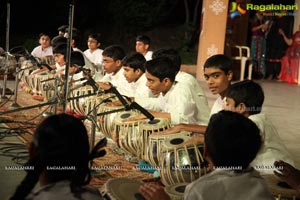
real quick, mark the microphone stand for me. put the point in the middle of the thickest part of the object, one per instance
(15, 104)
(68, 59)
(7, 53)
(133, 105)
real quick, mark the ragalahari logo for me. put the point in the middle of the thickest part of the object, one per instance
(236, 10)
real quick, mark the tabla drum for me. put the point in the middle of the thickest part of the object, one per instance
(146, 129)
(153, 151)
(122, 189)
(106, 119)
(181, 164)
(176, 191)
(44, 84)
(24, 75)
(80, 104)
(47, 60)
(128, 132)
(8, 64)
(280, 190)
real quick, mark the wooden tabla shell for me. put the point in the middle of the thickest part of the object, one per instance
(122, 189)
(280, 192)
(154, 150)
(27, 68)
(81, 105)
(106, 122)
(176, 191)
(43, 84)
(146, 129)
(182, 164)
(128, 132)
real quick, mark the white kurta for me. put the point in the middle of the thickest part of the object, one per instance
(228, 185)
(143, 95)
(94, 57)
(273, 147)
(148, 55)
(217, 106)
(181, 103)
(119, 81)
(200, 98)
(40, 53)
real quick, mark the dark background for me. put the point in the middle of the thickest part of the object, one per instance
(169, 23)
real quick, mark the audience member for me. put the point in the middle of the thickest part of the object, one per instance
(231, 143)
(59, 161)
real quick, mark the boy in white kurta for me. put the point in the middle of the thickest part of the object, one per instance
(177, 101)
(112, 66)
(231, 143)
(247, 97)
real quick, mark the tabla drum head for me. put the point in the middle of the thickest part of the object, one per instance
(176, 191)
(123, 189)
(279, 189)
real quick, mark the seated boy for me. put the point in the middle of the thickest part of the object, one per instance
(185, 78)
(218, 75)
(112, 66)
(142, 45)
(134, 72)
(231, 143)
(247, 98)
(176, 100)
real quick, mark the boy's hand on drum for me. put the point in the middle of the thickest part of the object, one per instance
(193, 140)
(152, 191)
(104, 86)
(135, 118)
(172, 130)
(288, 174)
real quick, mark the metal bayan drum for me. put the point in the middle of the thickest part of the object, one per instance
(176, 191)
(279, 189)
(156, 141)
(181, 164)
(122, 189)
(146, 129)
(128, 133)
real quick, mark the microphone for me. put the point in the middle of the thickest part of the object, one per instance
(90, 81)
(36, 62)
(135, 105)
(119, 96)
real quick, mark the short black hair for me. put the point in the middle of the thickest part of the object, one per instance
(219, 61)
(143, 38)
(161, 68)
(61, 49)
(115, 52)
(170, 53)
(134, 60)
(95, 36)
(248, 92)
(77, 58)
(232, 140)
(59, 39)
